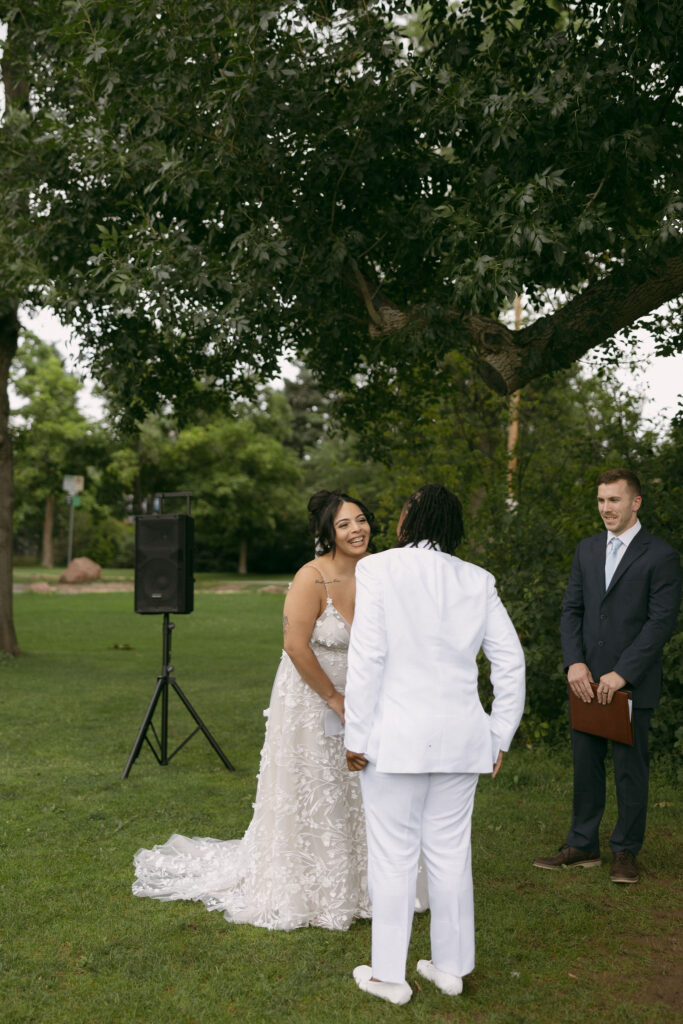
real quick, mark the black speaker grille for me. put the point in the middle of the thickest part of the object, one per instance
(160, 579)
(158, 534)
(163, 564)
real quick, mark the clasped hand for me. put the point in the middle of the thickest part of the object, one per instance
(580, 678)
(355, 762)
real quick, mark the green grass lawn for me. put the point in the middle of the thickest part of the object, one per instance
(77, 947)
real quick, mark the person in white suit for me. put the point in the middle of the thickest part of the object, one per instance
(417, 731)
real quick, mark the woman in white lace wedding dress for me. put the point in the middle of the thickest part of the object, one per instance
(302, 861)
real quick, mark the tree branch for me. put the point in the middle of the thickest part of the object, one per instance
(509, 359)
(385, 316)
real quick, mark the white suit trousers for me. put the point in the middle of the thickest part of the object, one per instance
(407, 814)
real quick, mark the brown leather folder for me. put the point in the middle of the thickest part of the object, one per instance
(609, 720)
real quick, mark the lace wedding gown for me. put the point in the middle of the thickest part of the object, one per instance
(302, 860)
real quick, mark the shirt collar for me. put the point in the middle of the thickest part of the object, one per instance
(427, 544)
(627, 536)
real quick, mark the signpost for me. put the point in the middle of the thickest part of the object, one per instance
(73, 485)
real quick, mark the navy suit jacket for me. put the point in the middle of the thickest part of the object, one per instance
(624, 628)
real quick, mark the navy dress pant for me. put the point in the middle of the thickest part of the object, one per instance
(631, 776)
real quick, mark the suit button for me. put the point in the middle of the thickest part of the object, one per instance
(601, 643)
(602, 618)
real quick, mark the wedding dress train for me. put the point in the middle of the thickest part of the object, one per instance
(302, 860)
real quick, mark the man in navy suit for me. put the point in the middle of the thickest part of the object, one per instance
(618, 612)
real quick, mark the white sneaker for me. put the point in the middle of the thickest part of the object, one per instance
(451, 984)
(393, 992)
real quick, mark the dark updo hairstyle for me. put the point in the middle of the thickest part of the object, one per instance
(435, 514)
(322, 508)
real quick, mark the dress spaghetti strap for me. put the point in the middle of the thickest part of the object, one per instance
(324, 582)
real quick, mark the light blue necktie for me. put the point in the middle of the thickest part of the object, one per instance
(612, 559)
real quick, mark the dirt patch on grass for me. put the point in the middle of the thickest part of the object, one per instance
(655, 960)
(127, 586)
(94, 588)
(664, 982)
(227, 588)
(98, 587)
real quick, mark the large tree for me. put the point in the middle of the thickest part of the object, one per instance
(198, 186)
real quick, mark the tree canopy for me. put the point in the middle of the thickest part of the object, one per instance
(368, 184)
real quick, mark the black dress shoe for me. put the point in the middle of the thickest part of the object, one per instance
(568, 857)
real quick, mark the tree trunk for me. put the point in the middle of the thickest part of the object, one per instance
(16, 88)
(242, 562)
(48, 555)
(9, 335)
(513, 423)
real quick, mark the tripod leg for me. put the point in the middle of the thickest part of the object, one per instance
(200, 724)
(164, 725)
(161, 688)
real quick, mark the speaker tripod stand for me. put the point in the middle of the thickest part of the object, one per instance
(164, 681)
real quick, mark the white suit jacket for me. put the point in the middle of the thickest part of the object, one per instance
(411, 701)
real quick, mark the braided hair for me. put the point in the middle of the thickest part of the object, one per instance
(434, 514)
(322, 508)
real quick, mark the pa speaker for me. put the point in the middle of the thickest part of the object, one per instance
(163, 564)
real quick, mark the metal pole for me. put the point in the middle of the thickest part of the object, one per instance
(168, 668)
(69, 550)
